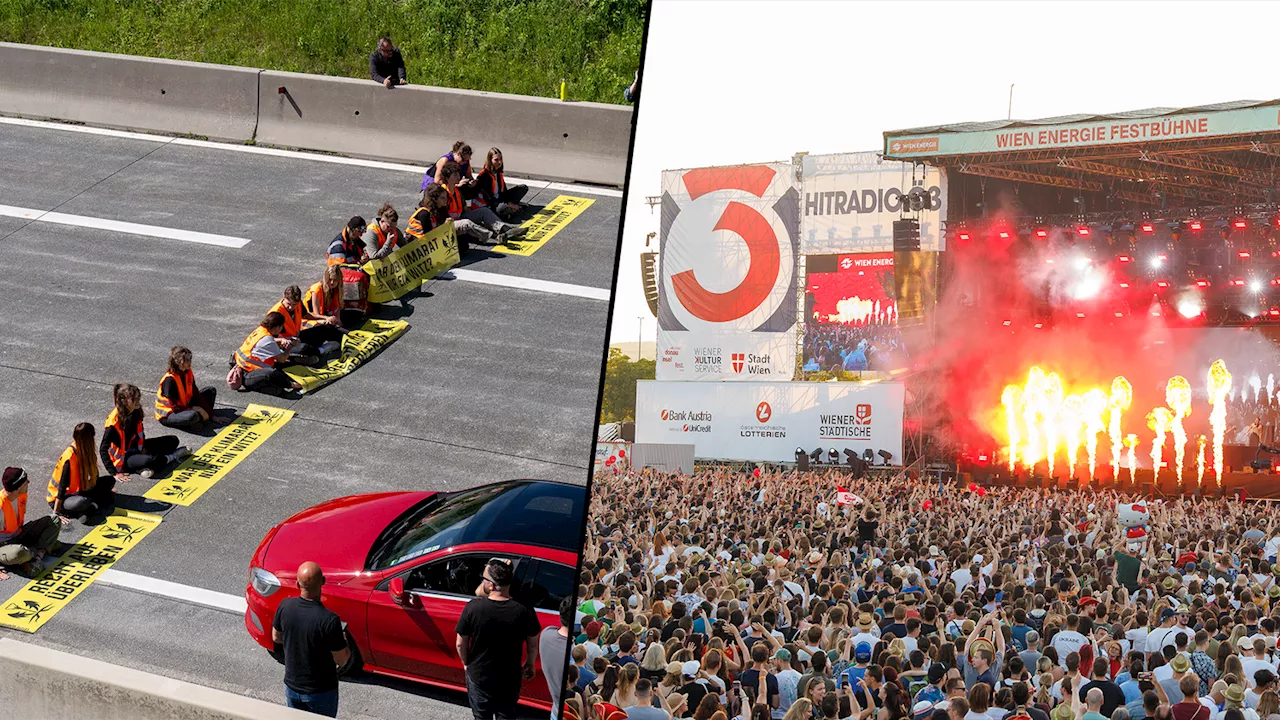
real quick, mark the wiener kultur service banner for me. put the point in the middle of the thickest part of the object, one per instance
(727, 280)
(849, 202)
(766, 422)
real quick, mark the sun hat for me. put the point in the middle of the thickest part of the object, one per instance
(1180, 663)
(674, 667)
(1234, 693)
(865, 621)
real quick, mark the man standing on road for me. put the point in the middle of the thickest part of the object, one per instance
(553, 647)
(491, 631)
(386, 66)
(314, 646)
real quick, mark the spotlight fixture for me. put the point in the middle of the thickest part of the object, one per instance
(1082, 230)
(886, 456)
(833, 455)
(1194, 225)
(816, 455)
(1147, 228)
(869, 456)
(1240, 224)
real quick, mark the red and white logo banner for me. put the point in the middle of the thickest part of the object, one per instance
(727, 282)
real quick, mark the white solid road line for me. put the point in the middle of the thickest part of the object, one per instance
(546, 286)
(121, 227)
(296, 154)
(163, 588)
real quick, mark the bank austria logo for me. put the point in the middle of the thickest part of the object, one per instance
(691, 421)
(764, 413)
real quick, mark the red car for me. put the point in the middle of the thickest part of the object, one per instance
(400, 567)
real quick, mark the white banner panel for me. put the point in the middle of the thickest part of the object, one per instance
(849, 202)
(727, 281)
(619, 451)
(766, 422)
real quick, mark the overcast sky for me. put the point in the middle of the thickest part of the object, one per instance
(738, 82)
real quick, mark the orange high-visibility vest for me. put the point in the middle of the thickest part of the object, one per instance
(292, 320)
(456, 203)
(320, 303)
(498, 186)
(118, 453)
(345, 245)
(14, 511)
(422, 222)
(244, 356)
(384, 238)
(74, 486)
(186, 383)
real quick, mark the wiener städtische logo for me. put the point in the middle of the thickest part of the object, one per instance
(729, 252)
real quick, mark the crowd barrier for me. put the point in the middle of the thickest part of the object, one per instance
(37, 682)
(131, 93)
(541, 137)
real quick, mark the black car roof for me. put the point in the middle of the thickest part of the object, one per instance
(541, 513)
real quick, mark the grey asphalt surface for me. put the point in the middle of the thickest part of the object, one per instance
(489, 383)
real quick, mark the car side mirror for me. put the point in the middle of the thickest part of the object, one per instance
(398, 594)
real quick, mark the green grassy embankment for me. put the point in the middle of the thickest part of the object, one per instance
(512, 46)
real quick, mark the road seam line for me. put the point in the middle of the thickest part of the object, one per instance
(156, 231)
(522, 283)
(174, 591)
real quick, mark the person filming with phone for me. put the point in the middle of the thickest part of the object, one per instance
(491, 632)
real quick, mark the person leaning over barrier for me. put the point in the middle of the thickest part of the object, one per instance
(179, 403)
(386, 66)
(125, 448)
(22, 542)
(480, 223)
(382, 236)
(491, 188)
(347, 247)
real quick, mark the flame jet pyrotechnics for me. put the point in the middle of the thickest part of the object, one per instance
(1219, 387)
(1200, 460)
(1120, 400)
(1072, 415)
(1178, 396)
(1050, 407)
(1012, 398)
(1131, 442)
(1158, 420)
(1095, 404)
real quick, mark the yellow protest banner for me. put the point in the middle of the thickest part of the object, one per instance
(407, 267)
(217, 457)
(357, 347)
(50, 591)
(545, 224)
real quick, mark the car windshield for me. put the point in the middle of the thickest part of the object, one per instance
(545, 514)
(432, 527)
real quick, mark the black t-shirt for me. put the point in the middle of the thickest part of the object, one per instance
(669, 629)
(312, 633)
(497, 630)
(898, 629)
(750, 680)
(695, 691)
(867, 530)
(1112, 695)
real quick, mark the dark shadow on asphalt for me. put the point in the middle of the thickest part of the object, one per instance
(453, 697)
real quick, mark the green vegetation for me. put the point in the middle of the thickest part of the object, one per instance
(620, 376)
(512, 46)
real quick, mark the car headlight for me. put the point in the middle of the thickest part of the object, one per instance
(263, 582)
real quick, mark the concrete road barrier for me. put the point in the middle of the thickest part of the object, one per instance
(128, 92)
(36, 682)
(539, 137)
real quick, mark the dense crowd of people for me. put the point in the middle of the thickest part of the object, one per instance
(855, 348)
(729, 595)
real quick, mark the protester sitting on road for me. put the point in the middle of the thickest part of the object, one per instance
(492, 191)
(76, 490)
(460, 154)
(386, 66)
(432, 212)
(179, 403)
(382, 236)
(313, 644)
(125, 448)
(324, 299)
(22, 542)
(315, 337)
(261, 356)
(347, 247)
(479, 223)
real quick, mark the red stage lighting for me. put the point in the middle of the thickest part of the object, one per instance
(1083, 231)
(1202, 283)
(1007, 323)
(1124, 284)
(1039, 325)
(1042, 233)
(963, 236)
(1162, 257)
(1239, 282)
(1148, 228)
(1004, 234)
(1080, 315)
(1275, 312)
(1243, 254)
(1194, 225)
(1162, 283)
(1125, 258)
(1119, 314)
(1240, 224)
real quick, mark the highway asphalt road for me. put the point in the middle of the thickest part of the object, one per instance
(490, 382)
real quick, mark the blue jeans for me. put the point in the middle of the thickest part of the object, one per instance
(325, 703)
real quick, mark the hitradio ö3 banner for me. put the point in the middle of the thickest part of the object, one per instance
(849, 202)
(727, 281)
(766, 422)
